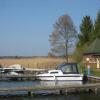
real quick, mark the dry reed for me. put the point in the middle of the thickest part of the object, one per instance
(36, 62)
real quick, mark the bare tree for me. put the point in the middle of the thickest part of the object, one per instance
(62, 35)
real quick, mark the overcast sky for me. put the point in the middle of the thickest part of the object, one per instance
(25, 25)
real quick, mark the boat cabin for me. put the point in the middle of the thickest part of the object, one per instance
(68, 68)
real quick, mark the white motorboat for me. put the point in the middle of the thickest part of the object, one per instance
(58, 75)
(66, 72)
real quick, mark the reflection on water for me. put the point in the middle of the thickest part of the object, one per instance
(9, 84)
(60, 83)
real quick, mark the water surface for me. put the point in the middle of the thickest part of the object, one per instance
(44, 96)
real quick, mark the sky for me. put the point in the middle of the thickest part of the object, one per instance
(25, 25)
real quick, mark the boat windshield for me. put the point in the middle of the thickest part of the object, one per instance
(68, 68)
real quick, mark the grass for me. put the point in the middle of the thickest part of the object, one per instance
(93, 72)
(96, 72)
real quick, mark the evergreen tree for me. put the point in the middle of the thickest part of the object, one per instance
(84, 38)
(96, 32)
(86, 29)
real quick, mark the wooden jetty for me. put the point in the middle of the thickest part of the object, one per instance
(94, 79)
(18, 77)
(61, 88)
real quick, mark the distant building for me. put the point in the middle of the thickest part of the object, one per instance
(91, 56)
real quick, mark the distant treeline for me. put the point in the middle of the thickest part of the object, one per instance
(25, 57)
(15, 57)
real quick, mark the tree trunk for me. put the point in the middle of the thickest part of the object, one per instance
(66, 56)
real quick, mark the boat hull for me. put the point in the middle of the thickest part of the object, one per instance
(64, 78)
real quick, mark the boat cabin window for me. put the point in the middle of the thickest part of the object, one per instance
(68, 68)
(53, 72)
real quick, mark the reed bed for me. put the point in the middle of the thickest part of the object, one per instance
(35, 62)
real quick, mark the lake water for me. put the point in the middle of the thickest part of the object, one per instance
(85, 96)
(44, 95)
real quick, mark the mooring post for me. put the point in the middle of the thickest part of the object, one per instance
(61, 91)
(95, 90)
(77, 90)
(90, 90)
(66, 92)
(30, 93)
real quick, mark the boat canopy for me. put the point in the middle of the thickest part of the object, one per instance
(68, 68)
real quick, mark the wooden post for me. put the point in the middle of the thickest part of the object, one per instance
(66, 92)
(95, 90)
(60, 91)
(90, 90)
(30, 93)
(63, 91)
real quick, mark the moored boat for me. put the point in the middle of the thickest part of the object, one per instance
(65, 72)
